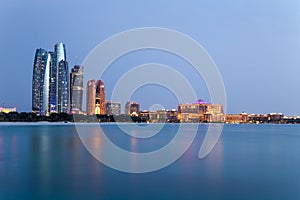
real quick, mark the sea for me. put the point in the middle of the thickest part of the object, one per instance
(248, 161)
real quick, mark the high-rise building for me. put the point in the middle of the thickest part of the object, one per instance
(90, 97)
(57, 56)
(76, 89)
(41, 82)
(113, 108)
(100, 98)
(95, 97)
(50, 81)
(63, 87)
(132, 108)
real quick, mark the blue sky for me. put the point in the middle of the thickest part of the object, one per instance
(255, 44)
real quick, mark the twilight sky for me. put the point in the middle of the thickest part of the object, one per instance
(255, 44)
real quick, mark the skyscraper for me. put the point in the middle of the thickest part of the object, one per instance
(50, 81)
(100, 98)
(56, 72)
(90, 97)
(95, 97)
(76, 89)
(41, 82)
(63, 87)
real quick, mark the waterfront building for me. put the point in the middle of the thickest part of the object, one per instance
(258, 118)
(191, 112)
(214, 113)
(95, 97)
(59, 84)
(113, 108)
(63, 87)
(200, 111)
(7, 110)
(144, 116)
(50, 82)
(153, 116)
(41, 82)
(172, 116)
(132, 108)
(161, 116)
(90, 97)
(275, 117)
(100, 98)
(236, 118)
(291, 119)
(266, 118)
(76, 89)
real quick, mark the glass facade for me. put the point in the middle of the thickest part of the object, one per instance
(63, 87)
(60, 50)
(76, 89)
(90, 97)
(46, 83)
(40, 82)
(50, 81)
(53, 82)
(58, 55)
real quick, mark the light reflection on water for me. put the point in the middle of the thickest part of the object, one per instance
(248, 162)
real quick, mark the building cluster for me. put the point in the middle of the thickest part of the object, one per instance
(55, 90)
(51, 88)
(255, 118)
(200, 111)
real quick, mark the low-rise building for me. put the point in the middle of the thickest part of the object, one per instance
(144, 116)
(200, 111)
(236, 118)
(8, 110)
(113, 108)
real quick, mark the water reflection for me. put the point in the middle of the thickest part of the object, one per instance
(59, 159)
(134, 142)
(1, 144)
(248, 162)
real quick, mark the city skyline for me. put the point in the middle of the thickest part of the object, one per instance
(54, 86)
(257, 55)
(55, 89)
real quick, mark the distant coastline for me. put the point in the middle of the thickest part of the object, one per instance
(64, 118)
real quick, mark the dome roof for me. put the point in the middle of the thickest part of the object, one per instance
(200, 101)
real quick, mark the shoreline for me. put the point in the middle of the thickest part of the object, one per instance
(45, 123)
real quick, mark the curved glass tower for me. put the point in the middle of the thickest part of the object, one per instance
(46, 83)
(50, 81)
(41, 82)
(60, 50)
(58, 55)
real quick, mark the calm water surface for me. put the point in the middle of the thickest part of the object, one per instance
(248, 162)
